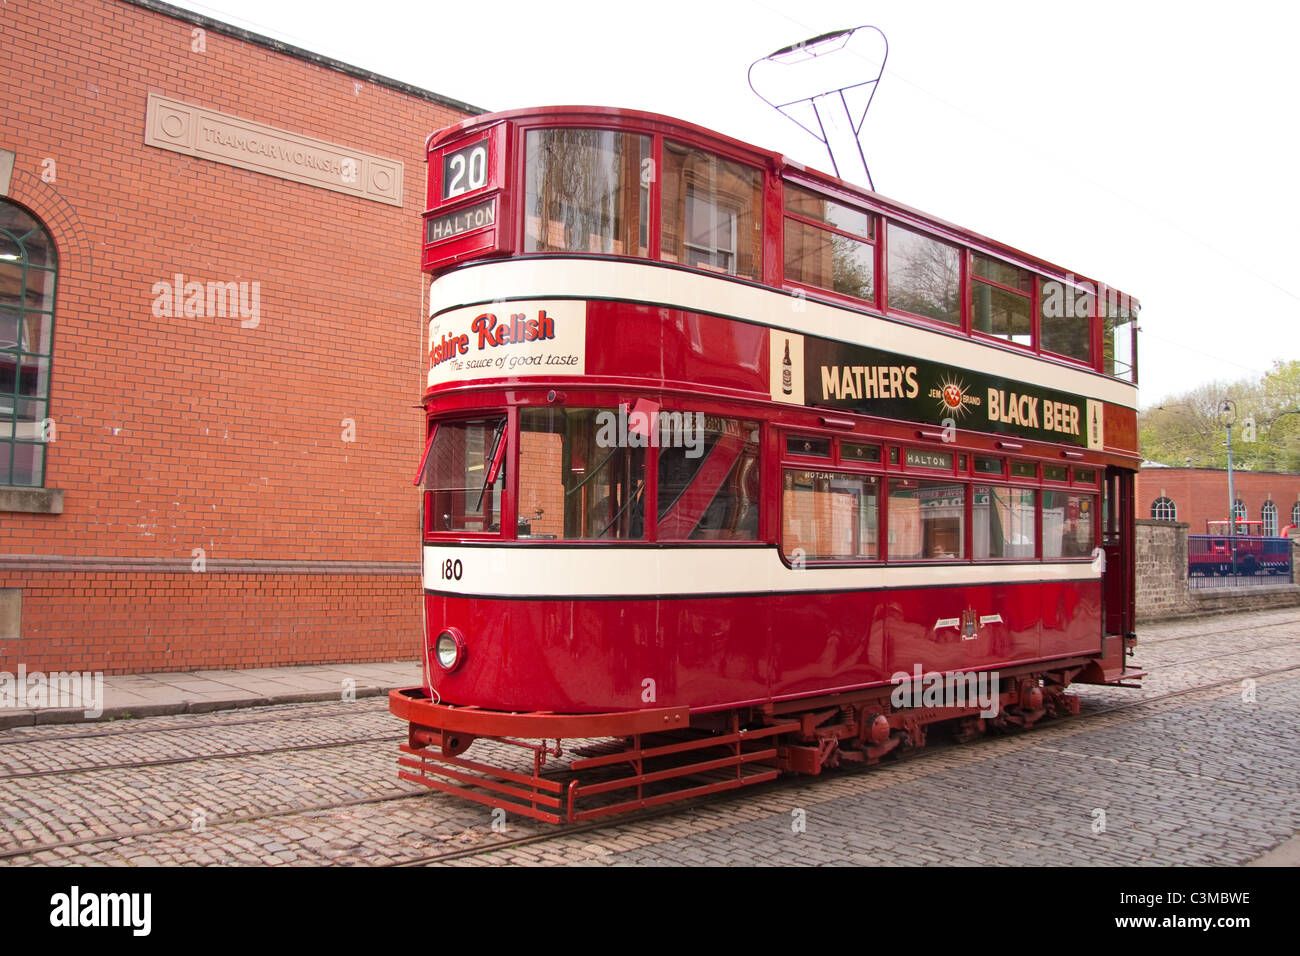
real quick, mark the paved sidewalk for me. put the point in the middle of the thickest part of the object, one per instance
(195, 692)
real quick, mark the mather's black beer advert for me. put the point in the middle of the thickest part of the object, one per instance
(874, 382)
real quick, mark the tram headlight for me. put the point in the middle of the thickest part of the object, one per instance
(449, 648)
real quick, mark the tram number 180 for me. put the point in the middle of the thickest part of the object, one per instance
(451, 569)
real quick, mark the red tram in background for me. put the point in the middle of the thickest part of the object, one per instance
(1245, 549)
(726, 457)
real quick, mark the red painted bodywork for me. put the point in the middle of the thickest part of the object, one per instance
(592, 656)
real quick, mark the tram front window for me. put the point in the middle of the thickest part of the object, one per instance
(573, 484)
(587, 190)
(463, 487)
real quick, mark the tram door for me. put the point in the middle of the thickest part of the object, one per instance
(1117, 542)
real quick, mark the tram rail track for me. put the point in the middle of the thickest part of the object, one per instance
(786, 781)
(227, 755)
(17, 853)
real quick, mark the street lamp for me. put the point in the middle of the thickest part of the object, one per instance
(1227, 417)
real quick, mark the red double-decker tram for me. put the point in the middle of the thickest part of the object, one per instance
(735, 469)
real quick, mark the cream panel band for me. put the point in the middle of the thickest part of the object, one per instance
(526, 571)
(599, 279)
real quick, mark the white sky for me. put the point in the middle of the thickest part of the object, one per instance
(1150, 145)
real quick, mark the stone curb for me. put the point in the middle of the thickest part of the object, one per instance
(32, 718)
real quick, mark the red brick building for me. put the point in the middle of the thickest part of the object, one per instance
(210, 345)
(1197, 495)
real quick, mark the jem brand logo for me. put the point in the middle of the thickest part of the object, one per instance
(954, 397)
(73, 689)
(75, 909)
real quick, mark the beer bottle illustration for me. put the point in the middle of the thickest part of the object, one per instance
(787, 381)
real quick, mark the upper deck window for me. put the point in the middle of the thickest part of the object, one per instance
(1065, 319)
(924, 275)
(1000, 300)
(829, 244)
(584, 192)
(710, 215)
(1118, 336)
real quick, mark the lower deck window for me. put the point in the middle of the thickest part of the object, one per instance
(828, 516)
(708, 486)
(1002, 522)
(1069, 523)
(572, 483)
(926, 520)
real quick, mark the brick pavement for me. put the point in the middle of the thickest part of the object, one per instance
(1203, 777)
(195, 692)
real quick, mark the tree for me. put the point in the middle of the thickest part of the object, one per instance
(1266, 436)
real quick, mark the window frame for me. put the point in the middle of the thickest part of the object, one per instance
(42, 399)
(440, 425)
(962, 324)
(973, 278)
(1078, 288)
(875, 478)
(650, 221)
(653, 534)
(874, 224)
(1163, 508)
(758, 213)
(1267, 511)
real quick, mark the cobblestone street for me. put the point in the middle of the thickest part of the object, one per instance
(1186, 770)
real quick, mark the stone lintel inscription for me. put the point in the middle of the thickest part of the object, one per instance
(222, 138)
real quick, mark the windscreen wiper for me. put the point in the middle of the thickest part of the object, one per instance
(498, 456)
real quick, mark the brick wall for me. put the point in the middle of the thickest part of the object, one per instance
(1201, 494)
(176, 434)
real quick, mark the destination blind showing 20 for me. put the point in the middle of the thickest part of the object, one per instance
(885, 384)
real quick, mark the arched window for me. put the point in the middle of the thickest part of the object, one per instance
(1269, 514)
(27, 273)
(1164, 509)
(1295, 513)
(1238, 510)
